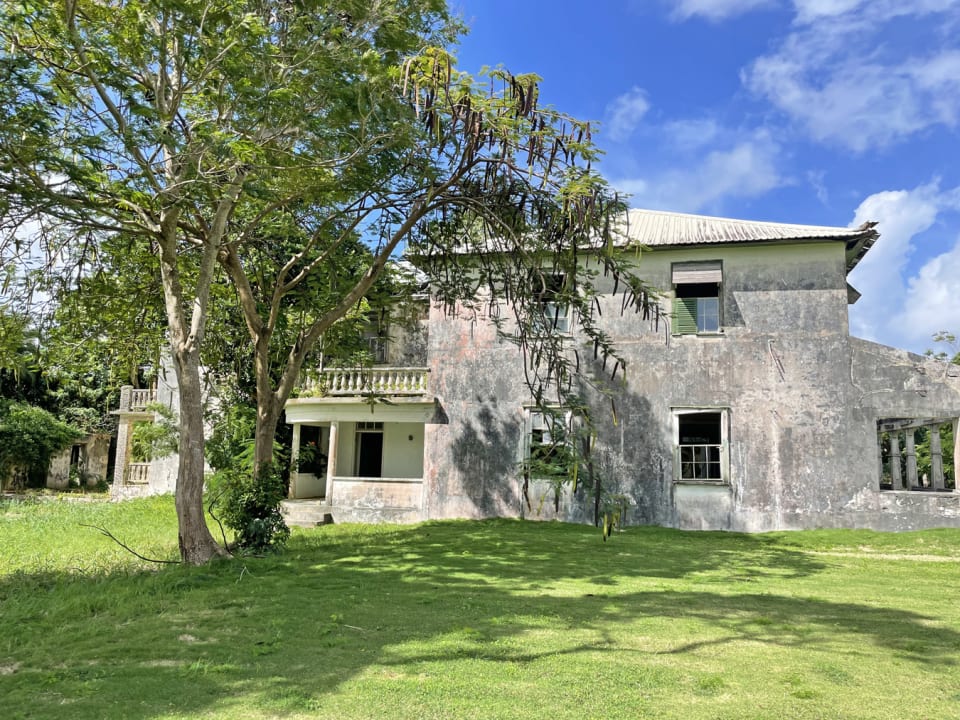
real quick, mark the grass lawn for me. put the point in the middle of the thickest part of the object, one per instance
(496, 619)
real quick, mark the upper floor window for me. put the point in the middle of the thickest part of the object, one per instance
(556, 314)
(696, 305)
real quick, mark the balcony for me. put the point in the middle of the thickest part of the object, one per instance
(137, 474)
(135, 401)
(340, 382)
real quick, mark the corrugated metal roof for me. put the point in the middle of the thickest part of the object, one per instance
(657, 228)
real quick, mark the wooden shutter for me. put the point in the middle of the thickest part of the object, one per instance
(697, 272)
(684, 315)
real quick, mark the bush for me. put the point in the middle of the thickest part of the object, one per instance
(251, 507)
(29, 437)
(157, 439)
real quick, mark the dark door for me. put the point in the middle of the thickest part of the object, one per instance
(369, 454)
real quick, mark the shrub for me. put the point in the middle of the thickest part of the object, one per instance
(157, 439)
(251, 507)
(29, 437)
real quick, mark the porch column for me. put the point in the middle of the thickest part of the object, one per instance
(332, 459)
(294, 461)
(936, 458)
(879, 460)
(956, 455)
(911, 459)
(122, 460)
(895, 475)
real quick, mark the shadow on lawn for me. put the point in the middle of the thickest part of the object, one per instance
(274, 636)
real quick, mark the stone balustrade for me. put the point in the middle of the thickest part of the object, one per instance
(136, 400)
(368, 381)
(138, 473)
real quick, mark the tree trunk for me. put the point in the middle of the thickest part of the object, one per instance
(197, 545)
(268, 415)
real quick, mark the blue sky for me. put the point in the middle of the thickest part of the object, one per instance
(826, 112)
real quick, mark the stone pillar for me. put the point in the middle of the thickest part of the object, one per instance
(879, 459)
(332, 459)
(956, 455)
(936, 458)
(895, 474)
(123, 451)
(294, 461)
(911, 459)
(125, 393)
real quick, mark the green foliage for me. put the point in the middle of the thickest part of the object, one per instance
(296, 149)
(952, 353)
(30, 436)
(924, 463)
(17, 345)
(230, 445)
(250, 506)
(157, 439)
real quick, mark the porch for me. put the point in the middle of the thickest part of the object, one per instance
(358, 446)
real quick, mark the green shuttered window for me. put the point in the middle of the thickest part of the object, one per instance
(696, 304)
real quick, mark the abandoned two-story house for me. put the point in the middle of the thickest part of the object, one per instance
(751, 409)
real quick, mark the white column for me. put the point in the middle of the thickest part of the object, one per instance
(294, 461)
(332, 459)
(896, 476)
(956, 455)
(911, 459)
(936, 458)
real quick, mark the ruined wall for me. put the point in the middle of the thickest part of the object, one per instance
(780, 370)
(470, 463)
(407, 333)
(800, 399)
(892, 383)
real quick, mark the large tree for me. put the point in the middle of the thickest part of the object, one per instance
(266, 137)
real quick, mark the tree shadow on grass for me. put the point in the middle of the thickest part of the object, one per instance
(280, 635)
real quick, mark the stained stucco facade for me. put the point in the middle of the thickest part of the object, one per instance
(791, 408)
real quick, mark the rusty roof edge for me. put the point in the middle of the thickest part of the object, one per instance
(858, 246)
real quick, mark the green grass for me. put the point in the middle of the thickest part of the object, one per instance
(496, 619)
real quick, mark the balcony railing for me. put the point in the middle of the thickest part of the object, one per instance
(138, 473)
(139, 399)
(367, 381)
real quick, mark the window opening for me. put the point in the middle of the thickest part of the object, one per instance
(917, 454)
(548, 453)
(696, 305)
(312, 454)
(700, 442)
(556, 315)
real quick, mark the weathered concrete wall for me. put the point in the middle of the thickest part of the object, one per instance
(801, 448)
(94, 457)
(407, 334)
(470, 463)
(892, 383)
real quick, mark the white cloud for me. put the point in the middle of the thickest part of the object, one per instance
(691, 135)
(715, 10)
(816, 180)
(625, 113)
(809, 11)
(747, 168)
(839, 78)
(933, 298)
(894, 309)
